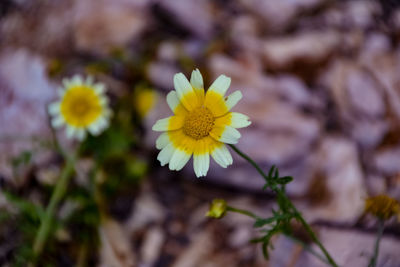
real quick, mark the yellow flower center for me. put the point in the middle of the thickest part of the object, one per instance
(199, 123)
(81, 106)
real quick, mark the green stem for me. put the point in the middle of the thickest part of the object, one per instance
(252, 162)
(305, 246)
(244, 212)
(314, 236)
(374, 258)
(298, 214)
(309, 249)
(57, 195)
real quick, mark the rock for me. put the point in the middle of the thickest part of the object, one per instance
(360, 14)
(387, 160)
(278, 15)
(347, 248)
(161, 74)
(168, 52)
(114, 24)
(24, 89)
(376, 185)
(310, 48)
(201, 246)
(375, 44)
(364, 93)
(344, 245)
(244, 32)
(359, 98)
(146, 210)
(294, 90)
(115, 246)
(42, 26)
(338, 164)
(385, 68)
(279, 127)
(151, 247)
(376, 130)
(194, 16)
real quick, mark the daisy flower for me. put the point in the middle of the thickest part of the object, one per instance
(201, 124)
(82, 107)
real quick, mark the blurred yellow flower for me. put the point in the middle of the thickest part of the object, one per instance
(382, 206)
(145, 100)
(217, 209)
(82, 107)
(201, 125)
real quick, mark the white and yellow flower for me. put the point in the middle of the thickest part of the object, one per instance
(82, 107)
(201, 124)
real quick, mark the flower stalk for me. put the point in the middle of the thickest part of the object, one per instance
(281, 195)
(57, 195)
(374, 258)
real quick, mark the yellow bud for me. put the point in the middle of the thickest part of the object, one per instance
(217, 209)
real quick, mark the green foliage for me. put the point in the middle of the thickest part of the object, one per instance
(275, 182)
(280, 222)
(26, 208)
(26, 218)
(23, 158)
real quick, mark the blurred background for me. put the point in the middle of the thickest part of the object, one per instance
(321, 85)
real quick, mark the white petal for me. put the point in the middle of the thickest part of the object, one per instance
(99, 88)
(165, 154)
(80, 134)
(168, 124)
(179, 160)
(104, 125)
(196, 79)
(100, 123)
(183, 87)
(173, 100)
(77, 80)
(57, 122)
(222, 156)
(221, 85)
(161, 125)
(54, 108)
(107, 113)
(60, 92)
(162, 141)
(201, 164)
(239, 120)
(103, 101)
(66, 82)
(89, 80)
(229, 134)
(94, 129)
(233, 99)
(70, 131)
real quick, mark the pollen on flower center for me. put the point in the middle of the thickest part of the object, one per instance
(199, 123)
(80, 107)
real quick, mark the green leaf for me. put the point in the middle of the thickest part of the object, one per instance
(284, 180)
(26, 207)
(265, 250)
(262, 222)
(271, 171)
